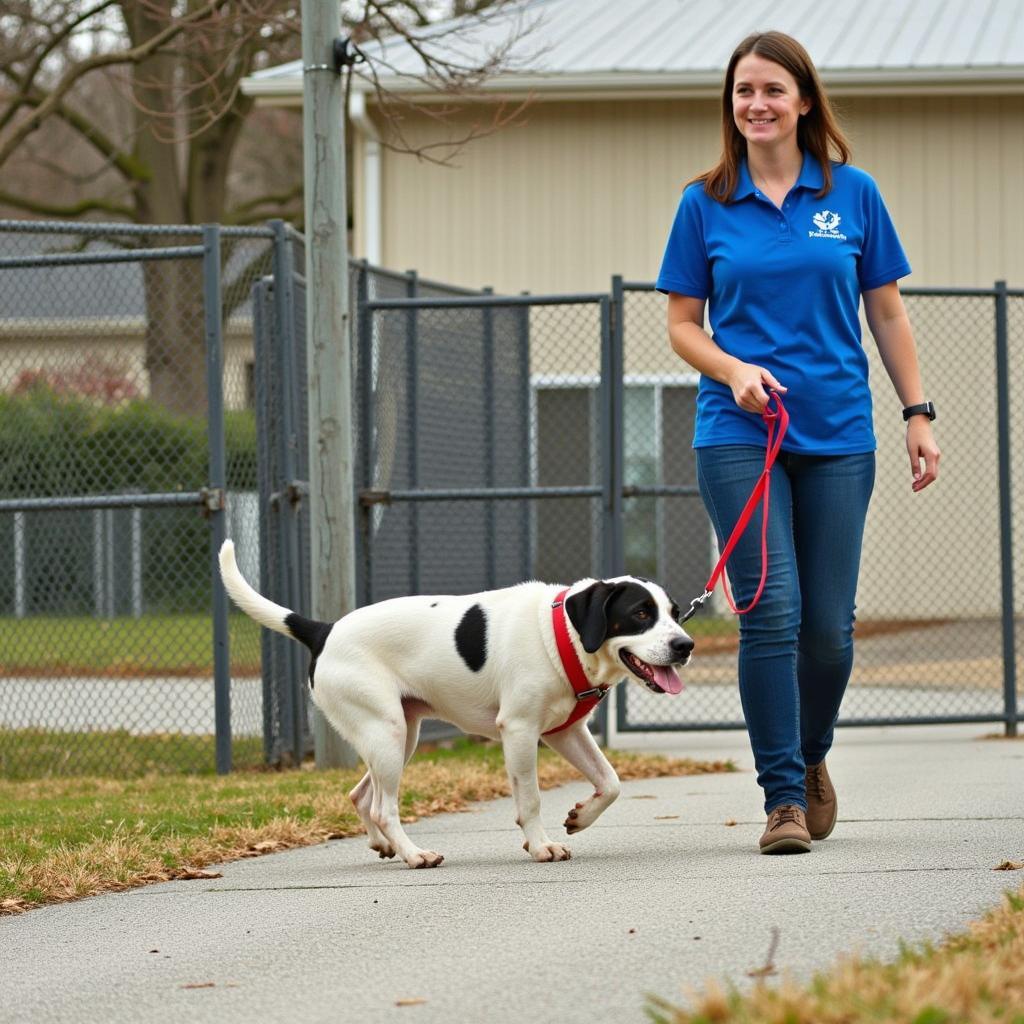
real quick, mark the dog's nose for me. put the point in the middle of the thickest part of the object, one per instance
(681, 646)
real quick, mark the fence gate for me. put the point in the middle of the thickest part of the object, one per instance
(279, 393)
(115, 479)
(939, 627)
(503, 438)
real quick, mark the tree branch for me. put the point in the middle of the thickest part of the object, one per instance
(68, 212)
(132, 56)
(250, 212)
(26, 80)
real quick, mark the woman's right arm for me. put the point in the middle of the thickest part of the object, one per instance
(691, 343)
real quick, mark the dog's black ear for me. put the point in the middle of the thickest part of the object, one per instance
(586, 611)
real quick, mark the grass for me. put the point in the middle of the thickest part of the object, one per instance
(123, 646)
(65, 838)
(36, 753)
(181, 645)
(974, 977)
(178, 645)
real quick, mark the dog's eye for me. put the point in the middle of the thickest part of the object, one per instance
(643, 613)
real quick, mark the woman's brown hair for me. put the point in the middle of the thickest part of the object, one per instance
(818, 131)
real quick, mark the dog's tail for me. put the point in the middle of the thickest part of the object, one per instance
(274, 616)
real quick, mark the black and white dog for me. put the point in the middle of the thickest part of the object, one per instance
(490, 664)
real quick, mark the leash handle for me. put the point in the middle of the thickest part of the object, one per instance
(777, 421)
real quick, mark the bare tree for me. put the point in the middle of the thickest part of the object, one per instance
(132, 110)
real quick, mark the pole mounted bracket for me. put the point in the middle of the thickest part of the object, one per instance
(346, 53)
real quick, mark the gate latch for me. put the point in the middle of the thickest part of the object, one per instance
(212, 499)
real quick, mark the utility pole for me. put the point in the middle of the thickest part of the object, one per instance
(328, 349)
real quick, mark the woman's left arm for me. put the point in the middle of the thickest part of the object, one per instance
(890, 325)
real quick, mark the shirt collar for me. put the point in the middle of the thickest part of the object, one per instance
(810, 177)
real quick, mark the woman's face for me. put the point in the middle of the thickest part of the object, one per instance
(766, 102)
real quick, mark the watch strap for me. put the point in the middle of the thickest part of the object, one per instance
(922, 409)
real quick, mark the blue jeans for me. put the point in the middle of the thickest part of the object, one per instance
(796, 646)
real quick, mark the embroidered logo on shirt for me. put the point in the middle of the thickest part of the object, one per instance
(826, 221)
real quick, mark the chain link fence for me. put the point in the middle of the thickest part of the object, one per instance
(483, 467)
(153, 397)
(938, 628)
(125, 416)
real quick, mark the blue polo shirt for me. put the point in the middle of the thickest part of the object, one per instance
(783, 288)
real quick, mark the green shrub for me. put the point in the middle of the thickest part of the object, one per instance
(59, 444)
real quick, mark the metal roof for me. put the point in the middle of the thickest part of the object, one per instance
(608, 46)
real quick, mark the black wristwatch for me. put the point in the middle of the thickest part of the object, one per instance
(924, 409)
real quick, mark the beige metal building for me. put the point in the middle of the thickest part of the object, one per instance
(624, 100)
(624, 109)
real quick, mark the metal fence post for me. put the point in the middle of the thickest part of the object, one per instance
(612, 452)
(1005, 508)
(612, 382)
(487, 315)
(19, 565)
(412, 403)
(288, 489)
(216, 503)
(522, 323)
(365, 417)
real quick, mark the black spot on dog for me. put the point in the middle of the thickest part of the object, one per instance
(471, 638)
(310, 632)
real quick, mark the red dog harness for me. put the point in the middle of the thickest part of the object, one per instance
(587, 697)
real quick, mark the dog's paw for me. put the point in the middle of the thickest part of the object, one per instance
(579, 818)
(424, 859)
(383, 849)
(574, 822)
(545, 852)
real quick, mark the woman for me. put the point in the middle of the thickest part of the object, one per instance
(782, 239)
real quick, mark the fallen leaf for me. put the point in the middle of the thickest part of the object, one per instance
(191, 874)
(13, 906)
(267, 847)
(729, 822)
(666, 817)
(409, 1002)
(1010, 865)
(632, 931)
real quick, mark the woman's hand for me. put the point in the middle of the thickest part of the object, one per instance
(921, 446)
(748, 382)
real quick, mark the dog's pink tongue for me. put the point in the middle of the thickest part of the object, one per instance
(667, 678)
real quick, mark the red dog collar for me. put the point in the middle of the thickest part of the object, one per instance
(587, 697)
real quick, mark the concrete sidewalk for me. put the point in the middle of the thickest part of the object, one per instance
(660, 894)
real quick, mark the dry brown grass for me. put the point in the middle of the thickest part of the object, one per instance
(973, 978)
(153, 835)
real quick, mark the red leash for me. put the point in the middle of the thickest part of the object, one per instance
(778, 423)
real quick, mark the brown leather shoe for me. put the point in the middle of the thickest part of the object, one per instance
(786, 831)
(822, 805)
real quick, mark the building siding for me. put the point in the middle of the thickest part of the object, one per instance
(580, 191)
